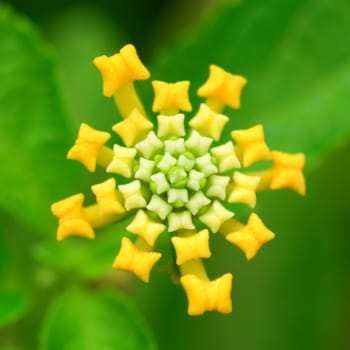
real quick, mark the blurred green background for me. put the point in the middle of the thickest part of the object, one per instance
(296, 56)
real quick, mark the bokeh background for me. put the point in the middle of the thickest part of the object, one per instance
(296, 55)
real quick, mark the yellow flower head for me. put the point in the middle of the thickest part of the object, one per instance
(172, 179)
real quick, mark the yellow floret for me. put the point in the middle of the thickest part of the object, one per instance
(215, 216)
(123, 161)
(206, 295)
(242, 189)
(171, 125)
(120, 69)
(251, 237)
(134, 128)
(135, 260)
(108, 202)
(72, 221)
(222, 89)
(226, 157)
(145, 227)
(287, 171)
(171, 97)
(133, 196)
(194, 246)
(251, 145)
(208, 123)
(88, 145)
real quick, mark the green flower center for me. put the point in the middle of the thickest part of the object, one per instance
(180, 174)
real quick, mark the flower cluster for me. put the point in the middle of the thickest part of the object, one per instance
(181, 181)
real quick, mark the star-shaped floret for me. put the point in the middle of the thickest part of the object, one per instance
(138, 261)
(215, 216)
(222, 88)
(288, 171)
(88, 146)
(72, 220)
(123, 161)
(134, 128)
(145, 227)
(204, 295)
(243, 188)
(208, 123)
(133, 196)
(120, 69)
(172, 125)
(171, 97)
(108, 201)
(191, 245)
(251, 237)
(251, 144)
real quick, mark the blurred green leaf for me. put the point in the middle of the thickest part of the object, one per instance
(14, 299)
(80, 34)
(297, 63)
(82, 258)
(34, 135)
(13, 304)
(104, 320)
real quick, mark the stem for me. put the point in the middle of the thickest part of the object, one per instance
(215, 104)
(141, 244)
(194, 267)
(95, 220)
(127, 100)
(104, 156)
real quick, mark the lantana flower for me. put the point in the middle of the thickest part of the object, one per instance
(179, 180)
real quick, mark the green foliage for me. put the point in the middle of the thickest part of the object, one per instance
(82, 259)
(78, 320)
(297, 61)
(34, 132)
(14, 300)
(297, 64)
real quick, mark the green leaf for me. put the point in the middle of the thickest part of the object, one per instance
(34, 134)
(80, 34)
(297, 64)
(84, 259)
(101, 321)
(14, 298)
(13, 304)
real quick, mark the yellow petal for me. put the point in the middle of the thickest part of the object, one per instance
(191, 247)
(87, 146)
(252, 145)
(180, 220)
(208, 123)
(123, 161)
(71, 218)
(120, 69)
(134, 128)
(223, 86)
(145, 227)
(288, 171)
(215, 216)
(244, 241)
(135, 260)
(243, 189)
(259, 230)
(205, 295)
(251, 237)
(171, 125)
(171, 97)
(107, 198)
(133, 197)
(226, 157)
